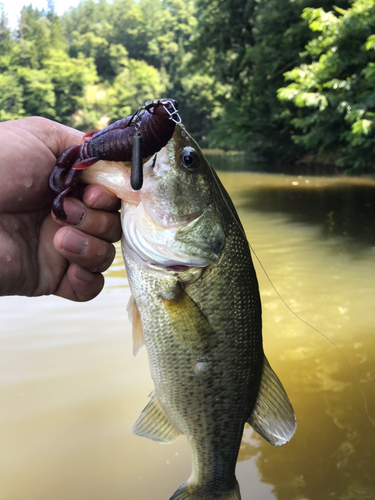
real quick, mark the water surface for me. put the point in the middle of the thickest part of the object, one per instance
(70, 388)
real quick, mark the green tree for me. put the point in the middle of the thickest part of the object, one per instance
(248, 45)
(34, 36)
(11, 102)
(10, 97)
(105, 103)
(109, 58)
(334, 95)
(38, 76)
(37, 92)
(137, 83)
(69, 77)
(6, 41)
(51, 13)
(155, 32)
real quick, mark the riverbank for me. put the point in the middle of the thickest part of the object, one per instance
(240, 161)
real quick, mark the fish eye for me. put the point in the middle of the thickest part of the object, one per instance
(189, 158)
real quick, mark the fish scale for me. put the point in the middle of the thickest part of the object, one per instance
(196, 306)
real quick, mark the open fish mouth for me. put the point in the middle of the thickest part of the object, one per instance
(178, 268)
(153, 244)
(159, 229)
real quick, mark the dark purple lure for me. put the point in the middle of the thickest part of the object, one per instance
(133, 138)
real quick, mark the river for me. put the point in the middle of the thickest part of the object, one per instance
(70, 388)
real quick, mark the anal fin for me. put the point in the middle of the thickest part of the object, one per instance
(154, 423)
(273, 416)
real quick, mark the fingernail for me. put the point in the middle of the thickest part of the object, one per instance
(75, 242)
(74, 212)
(84, 275)
(103, 202)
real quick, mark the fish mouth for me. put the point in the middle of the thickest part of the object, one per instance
(161, 233)
(154, 244)
(115, 176)
(178, 268)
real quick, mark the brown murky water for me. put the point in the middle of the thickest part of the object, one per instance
(70, 388)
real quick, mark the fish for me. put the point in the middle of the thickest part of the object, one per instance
(196, 307)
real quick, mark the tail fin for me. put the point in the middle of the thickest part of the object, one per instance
(192, 492)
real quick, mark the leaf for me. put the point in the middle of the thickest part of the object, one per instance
(362, 126)
(370, 44)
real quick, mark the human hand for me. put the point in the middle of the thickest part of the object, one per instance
(39, 254)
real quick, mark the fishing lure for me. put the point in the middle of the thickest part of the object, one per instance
(133, 138)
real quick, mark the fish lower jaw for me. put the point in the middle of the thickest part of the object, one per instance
(153, 246)
(184, 273)
(179, 268)
(173, 268)
(155, 259)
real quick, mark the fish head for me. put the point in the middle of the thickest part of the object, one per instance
(177, 181)
(173, 219)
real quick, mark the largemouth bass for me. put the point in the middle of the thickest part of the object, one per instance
(195, 305)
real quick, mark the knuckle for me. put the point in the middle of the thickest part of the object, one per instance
(101, 225)
(107, 226)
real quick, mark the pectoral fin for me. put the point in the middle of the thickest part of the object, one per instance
(203, 237)
(188, 322)
(273, 416)
(154, 423)
(135, 318)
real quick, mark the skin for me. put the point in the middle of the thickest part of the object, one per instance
(40, 255)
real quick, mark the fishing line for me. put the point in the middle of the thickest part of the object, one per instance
(288, 307)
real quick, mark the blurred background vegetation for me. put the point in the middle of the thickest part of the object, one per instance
(283, 80)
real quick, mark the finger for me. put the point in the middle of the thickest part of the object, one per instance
(99, 197)
(102, 224)
(80, 284)
(87, 251)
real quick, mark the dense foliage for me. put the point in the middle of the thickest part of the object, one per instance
(224, 61)
(249, 44)
(100, 61)
(336, 91)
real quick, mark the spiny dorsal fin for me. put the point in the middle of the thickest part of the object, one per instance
(273, 416)
(154, 423)
(135, 318)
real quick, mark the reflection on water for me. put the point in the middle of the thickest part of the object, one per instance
(70, 389)
(345, 210)
(240, 161)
